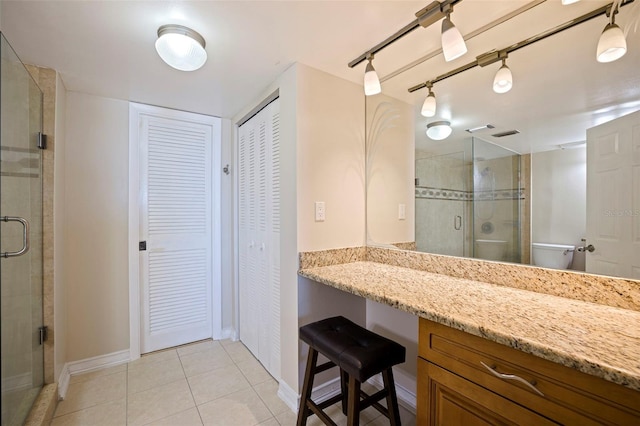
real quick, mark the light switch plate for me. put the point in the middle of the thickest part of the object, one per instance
(320, 211)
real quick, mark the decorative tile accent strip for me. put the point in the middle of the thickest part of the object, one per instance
(616, 292)
(314, 259)
(429, 193)
(43, 408)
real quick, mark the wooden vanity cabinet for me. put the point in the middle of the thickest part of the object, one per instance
(456, 387)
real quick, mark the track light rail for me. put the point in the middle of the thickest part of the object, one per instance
(424, 17)
(497, 55)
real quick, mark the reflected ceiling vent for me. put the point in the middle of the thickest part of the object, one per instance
(507, 133)
(477, 129)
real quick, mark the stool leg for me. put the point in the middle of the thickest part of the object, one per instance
(353, 410)
(392, 399)
(344, 385)
(307, 387)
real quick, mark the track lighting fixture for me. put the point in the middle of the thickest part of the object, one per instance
(371, 80)
(181, 47)
(503, 80)
(429, 105)
(612, 44)
(439, 130)
(453, 45)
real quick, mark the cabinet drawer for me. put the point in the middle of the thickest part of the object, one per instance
(452, 400)
(568, 396)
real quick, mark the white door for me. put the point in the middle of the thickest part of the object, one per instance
(613, 197)
(176, 221)
(259, 236)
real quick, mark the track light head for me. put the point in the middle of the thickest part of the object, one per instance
(453, 45)
(371, 80)
(612, 44)
(429, 105)
(503, 80)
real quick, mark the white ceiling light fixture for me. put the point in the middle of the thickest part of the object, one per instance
(612, 45)
(566, 2)
(429, 105)
(453, 45)
(371, 80)
(181, 47)
(503, 80)
(439, 130)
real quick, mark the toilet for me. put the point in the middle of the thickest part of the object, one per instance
(554, 256)
(490, 249)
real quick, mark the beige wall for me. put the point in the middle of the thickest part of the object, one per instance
(559, 198)
(390, 169)
(95, 256)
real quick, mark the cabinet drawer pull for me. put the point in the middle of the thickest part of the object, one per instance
(511, 377)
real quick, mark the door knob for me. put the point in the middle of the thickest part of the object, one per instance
(590, 248)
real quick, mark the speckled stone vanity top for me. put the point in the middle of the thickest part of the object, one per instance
(596, 339)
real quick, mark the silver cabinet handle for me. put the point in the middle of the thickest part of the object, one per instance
(512, 377)
(25, 236)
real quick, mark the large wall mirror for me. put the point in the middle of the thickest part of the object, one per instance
(521, 178)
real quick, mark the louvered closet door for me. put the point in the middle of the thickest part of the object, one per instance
(176, 221)
(259, 232)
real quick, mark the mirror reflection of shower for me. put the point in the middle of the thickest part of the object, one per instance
(468, 202)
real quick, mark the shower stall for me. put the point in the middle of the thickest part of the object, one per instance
(21, 273)
(468, 201)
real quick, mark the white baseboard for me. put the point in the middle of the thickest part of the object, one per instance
(88, 365)
(18, 382)
(406, 398)
(318, 394)
(229, 333)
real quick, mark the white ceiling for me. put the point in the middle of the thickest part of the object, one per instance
(107, 48)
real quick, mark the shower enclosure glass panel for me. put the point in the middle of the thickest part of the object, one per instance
(443, 203)
(20, 211)
(496, 202)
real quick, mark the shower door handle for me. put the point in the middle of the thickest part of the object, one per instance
(25, 236)
(457, 223)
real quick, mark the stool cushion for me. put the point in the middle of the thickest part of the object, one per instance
(356, 350)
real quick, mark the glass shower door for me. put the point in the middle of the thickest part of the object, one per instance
(20, 238)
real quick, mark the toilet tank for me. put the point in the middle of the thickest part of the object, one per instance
(554, 256)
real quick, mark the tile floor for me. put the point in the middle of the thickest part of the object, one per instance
(205, 383)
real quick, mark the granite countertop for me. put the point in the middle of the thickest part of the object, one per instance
(600, 340)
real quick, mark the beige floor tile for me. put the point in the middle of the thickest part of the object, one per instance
(190, 417)
(227, 342)
(152, 375)
(153, 358)
(238, 352)
(243, 408)
(157, 403)
(271, 422)
(268, 392)
(217, 383)
(109, 414)
(197, 347)
(254, 371)
(208, 360)
(93, 392)
(92, 375)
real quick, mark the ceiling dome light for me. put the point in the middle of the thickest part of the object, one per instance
(612, 44)
(453, 45)
(503, 80)
(371, 80)
(566, 2)
(439, 130)
(181, 48)
(429, 105)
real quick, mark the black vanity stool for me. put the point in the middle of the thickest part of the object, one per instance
(360, 354)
